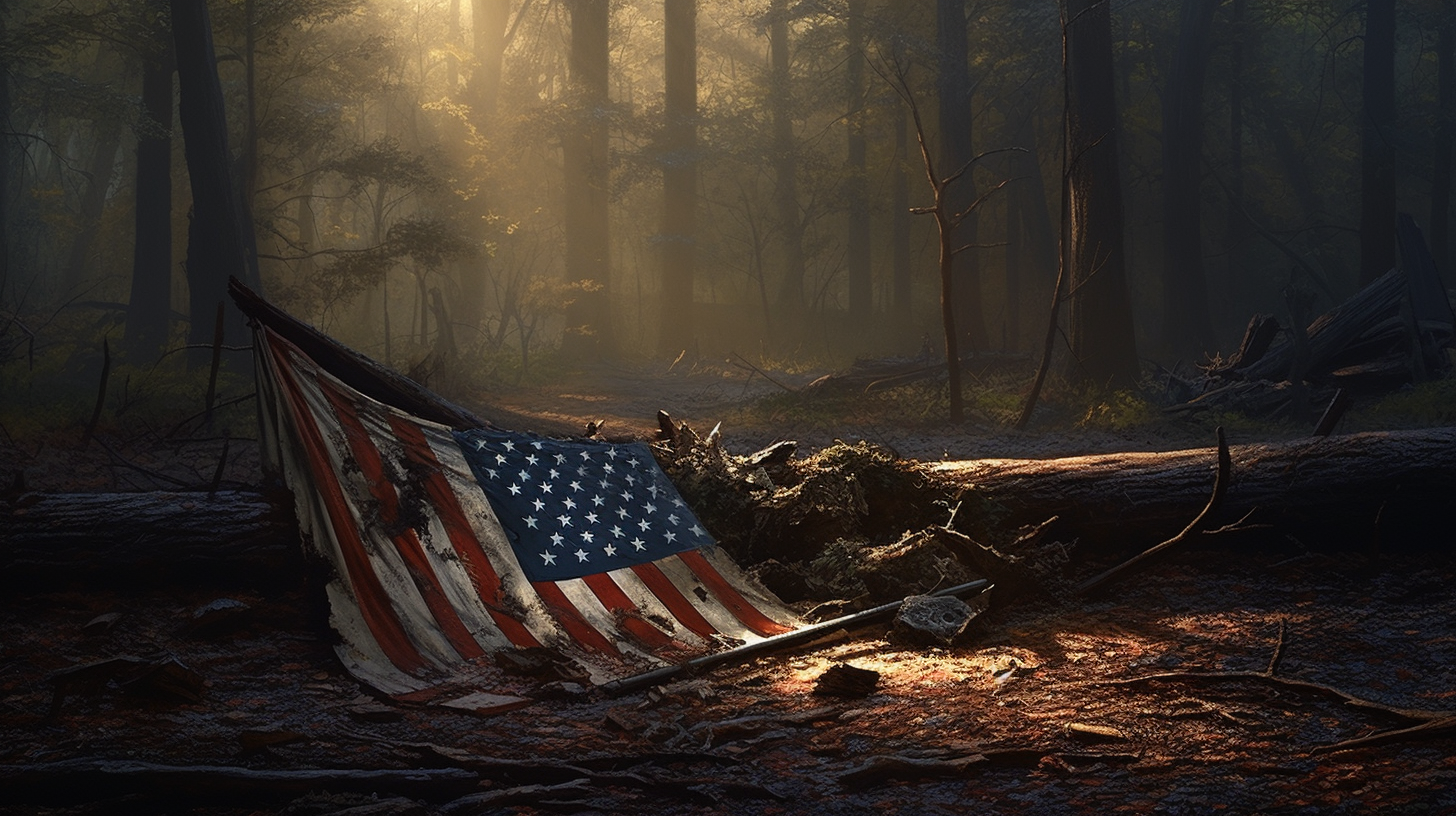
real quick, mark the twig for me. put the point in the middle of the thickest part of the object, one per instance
(1278, 651)
(152, 474)
(100, 393)
(764, 375)
(1220, 487)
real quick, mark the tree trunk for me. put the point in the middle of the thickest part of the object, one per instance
(1035, 239)
(1441, 163)
(5, 142)
(900, 221)
(1339, 491)
(489, 19)
(1236, 234)
(1377, 153)
(786, 168)
(678, 240)
(861, 288)
(150, 307)
(954, 95)
(584, 147)
(1187, 329)
(215, 242)
(1103, 351)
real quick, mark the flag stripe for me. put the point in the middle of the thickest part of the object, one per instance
(379, 615)
(730, 597)
(406, 541)
(629, 617)
(462, 536)
(680, 607)
(572, 620)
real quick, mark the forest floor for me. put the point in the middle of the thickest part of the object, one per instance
(1044, 707)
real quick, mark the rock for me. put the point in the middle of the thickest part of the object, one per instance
(101, 624)
(932, 621)
(844, 680)
(1086, 732)
(218, 617)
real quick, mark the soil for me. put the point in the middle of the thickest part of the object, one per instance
(1167, 696)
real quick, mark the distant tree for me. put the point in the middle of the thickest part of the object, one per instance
(1103, 352)
(786, 164)
(678, 239)
(900, 260)
(1187, 327)
(857, 243)
(215, 241)
(150, 305)
(1445, 136)
(1377, 153)
(585, 157)
(956, 151)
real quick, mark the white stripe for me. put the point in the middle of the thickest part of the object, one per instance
(707, 603)
(602, 619)
(751, 590)
(655, 611)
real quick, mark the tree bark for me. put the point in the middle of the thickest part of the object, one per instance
(1187, 329)
(1356, 490)
(678, 240)
(1377, 153)
(215, 242)
(150, 305)
(585, 155)
(1104, 354)
(956, 148)
(1236, 233)
(857, 223)
(900, 221)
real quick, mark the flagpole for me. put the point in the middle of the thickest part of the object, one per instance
(808, 633)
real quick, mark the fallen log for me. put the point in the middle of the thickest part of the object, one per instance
(1374, 489)
(142, 540)
(1363, 490)
(79, 780)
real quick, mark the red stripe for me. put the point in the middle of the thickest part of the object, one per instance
(727, 595)
(680, 607)
(571, 620)
(406, 540)
(373, 601)
(629, 617)
(462, 536)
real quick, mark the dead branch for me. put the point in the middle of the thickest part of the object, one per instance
(1220, 487)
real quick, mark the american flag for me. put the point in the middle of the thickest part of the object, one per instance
(450, 545)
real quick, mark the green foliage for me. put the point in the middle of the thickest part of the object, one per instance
(1430, 403)
(1119, 411)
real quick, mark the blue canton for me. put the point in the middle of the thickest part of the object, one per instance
(572, 509)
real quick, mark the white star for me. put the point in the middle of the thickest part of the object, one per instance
(698, 531)
(616, 531)
(545, 487)
(611, 453)
(672, 519)
(580, 555)
(531, 522)
(549, 558)
(553, 473)
(631, 480)
(493, 473)
(622, 512)
(560, 458)
(639, 544)
(632, 462)
(537, 503)
(678, 502)
(586, 456)
(523, 475)
(536, 445)
(644, 525)
(515, 489)
(509, 445)
(587, 537)
(591, 517)
(575, 487)
(610, 549)
(602, 484)
(480, 444)
(500, 459)
(564, 519)
(532, 460)
(607, 468)
(626, 495)
(556, 539)
(649, 507)
(670, 536)
(653, 490)
(581, 470)
(569, 504)
(597, 501)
